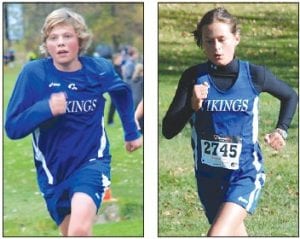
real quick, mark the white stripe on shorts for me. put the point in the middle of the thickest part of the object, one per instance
(255, 193)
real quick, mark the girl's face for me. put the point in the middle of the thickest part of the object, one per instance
(219, 43)
(63, 46)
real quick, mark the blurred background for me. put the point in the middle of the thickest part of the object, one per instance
(116, 25)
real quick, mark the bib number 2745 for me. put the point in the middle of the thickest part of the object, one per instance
(221, 154)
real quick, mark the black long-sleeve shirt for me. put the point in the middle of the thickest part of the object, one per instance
(180, 110)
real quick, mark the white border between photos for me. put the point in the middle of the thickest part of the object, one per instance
(151, 121)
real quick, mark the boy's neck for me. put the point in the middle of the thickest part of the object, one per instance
(68, 67)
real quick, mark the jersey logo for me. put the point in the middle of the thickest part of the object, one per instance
(72, 86)
(238, 105)
(79, 106)
(54, 84)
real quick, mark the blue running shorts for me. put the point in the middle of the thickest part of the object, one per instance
(242, 187)
(92, 178)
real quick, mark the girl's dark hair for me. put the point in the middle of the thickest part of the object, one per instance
(216, 15)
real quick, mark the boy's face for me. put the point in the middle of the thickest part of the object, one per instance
(219, 42)
(63, 46)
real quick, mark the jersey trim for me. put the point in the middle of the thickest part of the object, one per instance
(39, 155)
(255, 120)
(103, 141)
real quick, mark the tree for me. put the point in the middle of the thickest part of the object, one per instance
(111, 23)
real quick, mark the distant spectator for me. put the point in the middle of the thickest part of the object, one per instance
(9, 57)
(139, 116)
(103, 50)
(129, 65)
(117, 62)
(137, 83)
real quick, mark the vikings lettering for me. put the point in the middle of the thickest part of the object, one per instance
(76, 106)
(240, 105)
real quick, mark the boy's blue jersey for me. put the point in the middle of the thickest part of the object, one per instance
(225, 129)
(64, 143)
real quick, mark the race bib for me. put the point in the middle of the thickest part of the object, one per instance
(222, 152)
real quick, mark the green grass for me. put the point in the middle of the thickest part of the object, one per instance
(270, 38)
(24, 211)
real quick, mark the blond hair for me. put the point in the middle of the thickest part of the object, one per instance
(66, 16)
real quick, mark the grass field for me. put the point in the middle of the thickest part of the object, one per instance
(24, 211)
(269, 37)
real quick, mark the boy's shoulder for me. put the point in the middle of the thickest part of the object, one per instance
(96, 63)
(36, 67)
(35, 64)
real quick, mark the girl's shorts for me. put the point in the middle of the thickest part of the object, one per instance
(91, 179)
(241, 187)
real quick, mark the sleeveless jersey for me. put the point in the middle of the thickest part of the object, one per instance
(225, 129)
